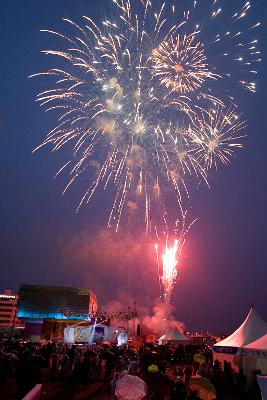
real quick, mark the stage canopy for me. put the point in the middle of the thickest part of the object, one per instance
(173, 335)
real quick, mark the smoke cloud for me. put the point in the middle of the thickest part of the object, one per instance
(113, 266)
(151, 321)
(158, 324)
(122, 271)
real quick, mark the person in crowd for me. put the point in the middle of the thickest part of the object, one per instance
(109, 368)
(27, 376)
(3, 371)
(241, 382)
(99, 364)
(77, 367)
(217, 366)
(71, 353)
(54, 364)
(187, 374)
(85, 368)
(228, 376)
(114, 380)
(201, 370)
(133, 368)
(180, 391)
(64, 363)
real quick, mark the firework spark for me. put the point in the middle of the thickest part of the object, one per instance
(167, 270)
(218, 133)
(137, 106)
(168, 258)
(136, 100)
(180, 64)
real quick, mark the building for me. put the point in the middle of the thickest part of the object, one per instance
(47, 310)
(8, 311)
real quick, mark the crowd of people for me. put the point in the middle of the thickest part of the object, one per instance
(166, 370)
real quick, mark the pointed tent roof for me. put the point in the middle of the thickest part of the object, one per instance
(259, 344)
(174, 335)
(251, 330)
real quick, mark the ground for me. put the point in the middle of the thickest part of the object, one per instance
(62, 388)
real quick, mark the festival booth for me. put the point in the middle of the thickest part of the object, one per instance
(246, 347)
(175, 337)
(95, 333)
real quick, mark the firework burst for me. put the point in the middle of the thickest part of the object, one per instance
(180, 64)
(218, 133)
(137, 105)
(131, 100)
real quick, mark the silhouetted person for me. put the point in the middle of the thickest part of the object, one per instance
(27, 376)
(64, 363)
(180, 391)
(241, 381)
(110, 366)
(3, 371)
(188, 373)
(85, 368)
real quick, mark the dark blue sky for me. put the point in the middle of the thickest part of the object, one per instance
(223, 269)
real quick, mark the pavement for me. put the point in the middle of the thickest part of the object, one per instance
(63, 388)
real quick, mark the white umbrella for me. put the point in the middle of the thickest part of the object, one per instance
(130, 387)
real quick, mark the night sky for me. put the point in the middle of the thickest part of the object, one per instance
(43, 240)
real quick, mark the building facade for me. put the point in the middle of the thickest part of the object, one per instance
(47, 310)
(8, 311)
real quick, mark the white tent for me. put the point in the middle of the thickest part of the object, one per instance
(253, 331)
(174, 336)
(255, 355)
(257, 346)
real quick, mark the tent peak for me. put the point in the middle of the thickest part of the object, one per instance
(250, 330)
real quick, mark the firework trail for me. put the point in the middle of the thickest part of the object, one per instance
(170, 260)
(144, 105)
(168, 253)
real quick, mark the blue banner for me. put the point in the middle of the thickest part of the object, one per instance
(225, 349)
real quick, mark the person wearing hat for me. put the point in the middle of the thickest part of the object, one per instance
(153, 368)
